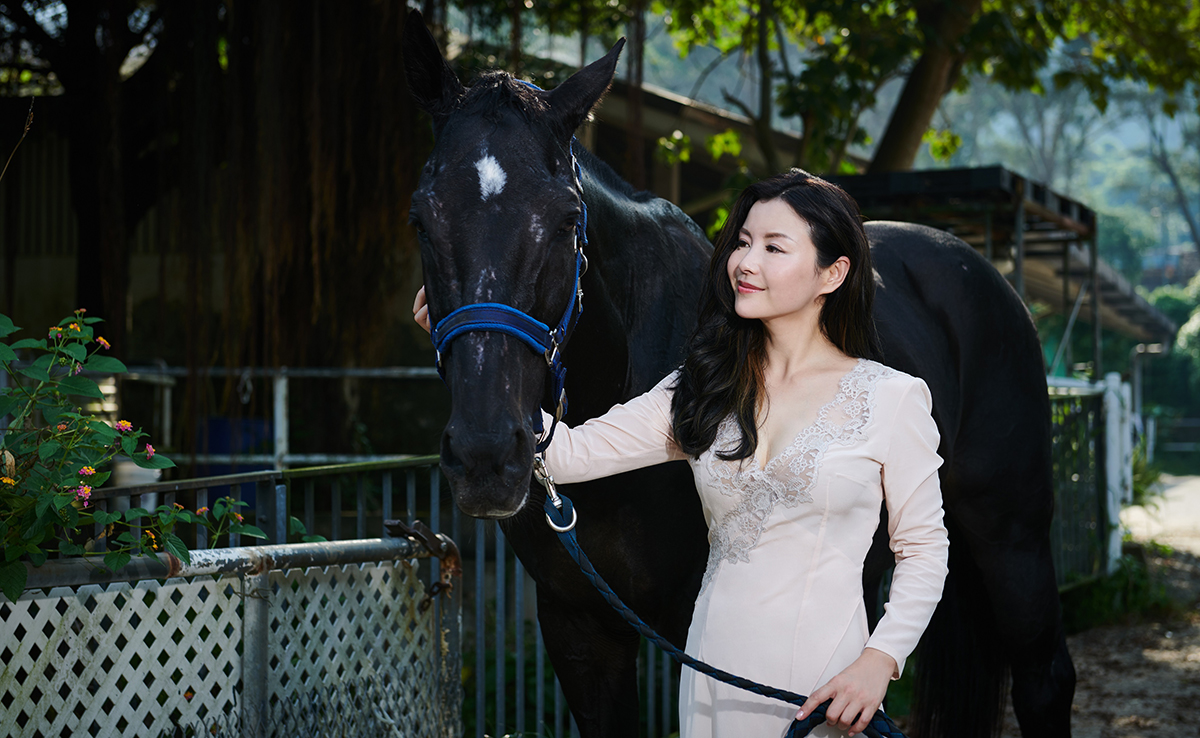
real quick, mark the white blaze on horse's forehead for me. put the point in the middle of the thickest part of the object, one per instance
(491, 176)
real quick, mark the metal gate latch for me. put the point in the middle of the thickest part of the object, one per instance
(440, 546)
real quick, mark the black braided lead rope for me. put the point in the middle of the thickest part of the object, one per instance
(562, 519)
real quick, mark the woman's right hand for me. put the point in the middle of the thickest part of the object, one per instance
(421, 310)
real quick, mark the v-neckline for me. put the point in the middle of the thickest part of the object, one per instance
(841, 390)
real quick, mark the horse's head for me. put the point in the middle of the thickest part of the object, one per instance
(496, 211)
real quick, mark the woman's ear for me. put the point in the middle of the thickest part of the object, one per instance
(835, 274)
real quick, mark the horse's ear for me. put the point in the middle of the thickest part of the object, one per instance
(430, 79)
(571, 101)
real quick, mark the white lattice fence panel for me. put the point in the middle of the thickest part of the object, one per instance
(120, 659)
(351, 654)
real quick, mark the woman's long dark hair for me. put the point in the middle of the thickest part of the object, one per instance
(723, 372)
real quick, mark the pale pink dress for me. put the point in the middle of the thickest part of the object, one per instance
(781, 601)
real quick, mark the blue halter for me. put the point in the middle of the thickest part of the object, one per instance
(500, 318)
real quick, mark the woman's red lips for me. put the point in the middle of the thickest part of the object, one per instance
(745, 288)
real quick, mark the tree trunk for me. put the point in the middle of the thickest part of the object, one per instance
(635, 154)
(926, 85)
(766, 95)
(514, 36)
(91, 76)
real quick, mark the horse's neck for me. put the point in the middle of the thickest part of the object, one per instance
(647, 259)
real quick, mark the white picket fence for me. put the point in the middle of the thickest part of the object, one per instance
(324, 639)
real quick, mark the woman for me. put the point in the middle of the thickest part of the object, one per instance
(795, 438)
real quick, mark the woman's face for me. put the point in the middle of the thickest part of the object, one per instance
(773, 269)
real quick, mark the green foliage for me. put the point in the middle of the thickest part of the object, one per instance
(1146, 489)
(52, 456)
(675, 148)
(942, 143)
(726, 142)
(1131, 593)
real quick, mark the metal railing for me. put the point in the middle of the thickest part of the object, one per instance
(165, 377)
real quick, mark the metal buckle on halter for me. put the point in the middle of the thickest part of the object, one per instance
(552, 352)
(561, 408)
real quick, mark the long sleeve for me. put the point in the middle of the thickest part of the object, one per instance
(629, 436)
(915, 528)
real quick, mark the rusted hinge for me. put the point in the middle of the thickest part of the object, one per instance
(440, 546)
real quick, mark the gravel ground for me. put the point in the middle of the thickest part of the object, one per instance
(1141, 679)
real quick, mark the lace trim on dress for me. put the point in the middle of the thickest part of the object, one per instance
(788, 478)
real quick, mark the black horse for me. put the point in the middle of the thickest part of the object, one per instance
(496, 210)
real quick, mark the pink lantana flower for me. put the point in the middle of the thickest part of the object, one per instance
(149, 451)
(124, 426)
(103, 342)
(87, 471)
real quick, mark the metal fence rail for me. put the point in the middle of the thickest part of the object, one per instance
(246, 641)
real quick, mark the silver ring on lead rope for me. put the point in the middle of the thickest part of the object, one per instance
(543, 475)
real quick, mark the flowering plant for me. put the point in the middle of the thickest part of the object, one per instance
(52, 455)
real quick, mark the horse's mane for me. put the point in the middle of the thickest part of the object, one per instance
(609, 178)
(491, 94)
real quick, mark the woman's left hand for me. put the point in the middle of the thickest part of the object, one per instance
(857, 692)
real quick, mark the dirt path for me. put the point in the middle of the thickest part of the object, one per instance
(1143, 679)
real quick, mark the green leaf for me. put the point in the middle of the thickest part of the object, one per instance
(105, 364)
(92, 321)
(98, 479)
(51, 412)
(103, 431)
(37, 556)
(313, 539)
(188, 516)
(157, 462)
(247, 530)
(29, 343)
(38, 375)
(8, 402)
(129, 445)
(174, 545)
(13, 576)
(104, 518)
(6, 326)
(81, 386)
(116, 560)
(43, 505)
(296, 526)
(48, 449)
(126, 538)
(45, 361)
(12, 553)
(61, 501)
(6, 353)
(75, 351)
(134, 513)
(66, 548)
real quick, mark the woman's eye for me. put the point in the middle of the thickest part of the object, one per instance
(742, 245)
(772, 248)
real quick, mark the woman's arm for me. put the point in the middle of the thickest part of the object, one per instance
(916, 530)
(918, 539)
